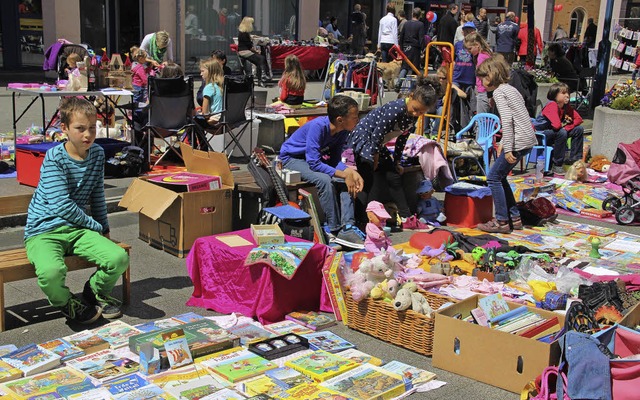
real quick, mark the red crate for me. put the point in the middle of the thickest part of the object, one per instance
(29, 158)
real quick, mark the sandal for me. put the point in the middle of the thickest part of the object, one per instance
(495, 226)
(517, 223)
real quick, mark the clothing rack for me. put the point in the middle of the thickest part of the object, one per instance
(335, 59)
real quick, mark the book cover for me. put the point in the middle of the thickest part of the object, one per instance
(117, 333)
(88, 341)
(237, 364)
(480, 317)
(262, 385)
(309, 391)
(321, 365)
(224, 394)
(8, 372)
(158, 325)
(288, 376)
(64, 349)
(367, 382)
(7, 348)
(287, 326)
(49, 385)
(204, 337)
(311, 319)
(552, 330)
(177, 348)
(409, 373)
(104, 365)
(129, 384)
(190, 382)
(250, 333)
(326, 280)
(93, 394)
(31, 359)
(187, 317)
(147, 392)
(360, 357)
(594, 230)
(493, 305)
(327, 341)
(261, 397)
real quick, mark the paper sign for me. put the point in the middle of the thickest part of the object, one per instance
(234, 241)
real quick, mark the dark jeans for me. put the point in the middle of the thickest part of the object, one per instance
(559, 141)
(503, 200)
(384, 49)
(261, 65)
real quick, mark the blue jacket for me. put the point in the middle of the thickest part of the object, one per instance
(506, 36)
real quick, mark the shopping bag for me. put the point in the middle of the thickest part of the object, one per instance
(625, 373)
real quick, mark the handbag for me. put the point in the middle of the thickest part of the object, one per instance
(548, 380)
(625, 374)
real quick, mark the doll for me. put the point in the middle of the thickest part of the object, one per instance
(577, 172)
(428, 208)
(376, 237)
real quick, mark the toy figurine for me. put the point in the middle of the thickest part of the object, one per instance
(428, 208)
(595, 246)
(376, 237)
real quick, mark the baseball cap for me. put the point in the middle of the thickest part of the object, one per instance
(378, 209)
(424, 187)
(469, 25)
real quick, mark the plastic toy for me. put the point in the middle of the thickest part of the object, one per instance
(428, 208)
(376, 237)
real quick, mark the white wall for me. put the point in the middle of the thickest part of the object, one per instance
(56, 18)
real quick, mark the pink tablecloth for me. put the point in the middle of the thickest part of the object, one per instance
(311, 57)
(222, 283)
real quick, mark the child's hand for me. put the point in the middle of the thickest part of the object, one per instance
(510, 158)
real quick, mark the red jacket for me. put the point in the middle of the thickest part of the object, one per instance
(566, 117)
(523, 35)
(286, 91)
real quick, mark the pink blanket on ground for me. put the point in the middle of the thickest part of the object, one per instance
(223, 283)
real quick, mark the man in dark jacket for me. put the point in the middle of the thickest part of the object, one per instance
(590, 34)
(482, 26)
(448, 25)
(506, 37)
(412, 43)
(562, 67)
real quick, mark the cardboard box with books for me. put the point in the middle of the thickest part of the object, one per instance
(172, 221)
(502, 358)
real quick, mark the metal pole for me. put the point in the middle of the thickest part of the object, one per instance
(604, 48)
(531, 37)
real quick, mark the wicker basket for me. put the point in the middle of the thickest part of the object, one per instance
(407, 329)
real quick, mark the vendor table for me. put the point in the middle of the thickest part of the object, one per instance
(223, 283)
(311, 57)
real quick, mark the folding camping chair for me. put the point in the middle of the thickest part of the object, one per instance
(169, 111)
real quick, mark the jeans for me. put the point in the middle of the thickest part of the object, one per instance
(559, 141)
(589, 372)
(261, 65)
(46, 252)
(139, 94)
(327, 190)
(384, 49)
(431, 125)
(503, 200)
(483, 105)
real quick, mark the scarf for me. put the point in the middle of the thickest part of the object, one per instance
(156, 53)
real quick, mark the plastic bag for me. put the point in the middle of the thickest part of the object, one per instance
(568, 281)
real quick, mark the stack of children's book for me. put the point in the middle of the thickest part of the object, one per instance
(201, 360)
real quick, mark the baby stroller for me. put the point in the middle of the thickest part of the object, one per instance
(60, 52)
(625, 171)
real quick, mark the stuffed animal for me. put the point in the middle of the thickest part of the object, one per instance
(385, 290)
(577, 172)
(408, 296)
(600, 163)
(370, 273)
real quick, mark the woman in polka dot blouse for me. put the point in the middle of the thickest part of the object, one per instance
(393, 120)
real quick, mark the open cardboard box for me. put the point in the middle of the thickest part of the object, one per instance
(172, 221)
(632, 318)
(498, 358)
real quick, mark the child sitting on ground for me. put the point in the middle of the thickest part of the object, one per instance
(72, 177)
(293, 82)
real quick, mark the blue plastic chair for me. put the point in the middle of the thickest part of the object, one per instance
(543, 150)
(488, 126)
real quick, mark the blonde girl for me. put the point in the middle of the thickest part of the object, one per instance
(140, 76)
(518, 138)
(213, 77)
(479, 49)
(248, 52)
(293, 82)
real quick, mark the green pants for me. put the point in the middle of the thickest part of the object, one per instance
(47, 251)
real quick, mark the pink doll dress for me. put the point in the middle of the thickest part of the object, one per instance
(373, 243)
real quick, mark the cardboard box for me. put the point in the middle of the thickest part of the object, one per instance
(173, 221)
(289, 176)
(498, 358)
(187, 182)
(267, 234)
(632, 318)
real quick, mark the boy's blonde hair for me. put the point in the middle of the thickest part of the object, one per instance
(495, 68)
(73, 58)
(72, 105)
(162, 39)
(294, 74)
(246, 25)
(215, 71)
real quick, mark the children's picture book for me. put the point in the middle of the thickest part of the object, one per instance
(480, 317)
(493, 305)
(593, 230)
(93, 394)
(282, 258)
(127, 384)
(54, 384)
(190, 382)
(409, 373)
(328, 341)
(312, 319)
(237, 364)
(147, 392)
(31, 359)
(88, 341)
(321, 365)
(177, 348)
(104, 365)
(224, 394)
(250, 333)
(8, 372)
(367, 382)
(310, 391)
(158, 325)
(287, 326)
(360, 357)
(288, 376)
(262, 385)
(7, 348)
(117, 333)
(187, 317)
(64, 349)
(261, 397)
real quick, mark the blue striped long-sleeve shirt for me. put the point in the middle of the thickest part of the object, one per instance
(66, 187)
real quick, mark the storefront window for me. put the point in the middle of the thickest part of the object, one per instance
(274, 18)
(31, 42)
(93, 24)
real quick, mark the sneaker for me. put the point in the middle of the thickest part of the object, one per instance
(331, 237)
(517, 224)
(351, 236)
(80, 312)
(110, 306)
(495, 226)
(410, 223)
(558, 170)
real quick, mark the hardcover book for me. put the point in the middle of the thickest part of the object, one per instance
(288, 376)
(237, 364)
(262, 385)
(117, 333)
(309, 391)
(93, 394)
(367, 382)
(57, 383)
(327, 341)
(311, 319)
(250, 333)
(224, 394)
(146, 392)
(360, 357)
(104, 365)
(187, 317)
(88, 341)
(134, 386)
(493, 305)
(7, 348)
(64, 349)
(152, 326)
(409, 373)
(8, 372)
(287, 326)
(321, 365)
(190, 382)
(177, 348)
(331, 290)
(31, 359)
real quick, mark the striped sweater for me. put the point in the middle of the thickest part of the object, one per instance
(66, 187)
(517, 130)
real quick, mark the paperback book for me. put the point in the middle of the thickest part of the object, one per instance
(177, 348)
(250, 333)
(262, 385)
(288, 376)
(104, 365)
(57, 383)
(117, 333)
(190, 382)
(287, 326)
(100, 393)
(158, 325)
(8, 372)
(414, 375)
(88, 341)
(367, 382)
(360, 357)
(64, 349)
(309, 391)
(237, 364)
(321, 365)
(187, 317)
(224, 394)
(311, 319)
(32, 359)
(328, 341)
(133, 386)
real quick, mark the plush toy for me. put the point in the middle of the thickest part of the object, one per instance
(385, 290)
(408, 296)
(428, 208)
(600, 163)
(376, 238)
(577, 172)
(370, 273)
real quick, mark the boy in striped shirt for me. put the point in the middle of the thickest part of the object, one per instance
(72, 177)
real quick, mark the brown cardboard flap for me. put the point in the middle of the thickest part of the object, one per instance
(208, 163)
(147, 198)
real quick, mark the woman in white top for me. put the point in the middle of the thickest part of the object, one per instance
(158, 46)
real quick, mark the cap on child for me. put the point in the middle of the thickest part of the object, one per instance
(378, 209)
(424, 187)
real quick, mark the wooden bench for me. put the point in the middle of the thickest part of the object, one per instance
(14, 266)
